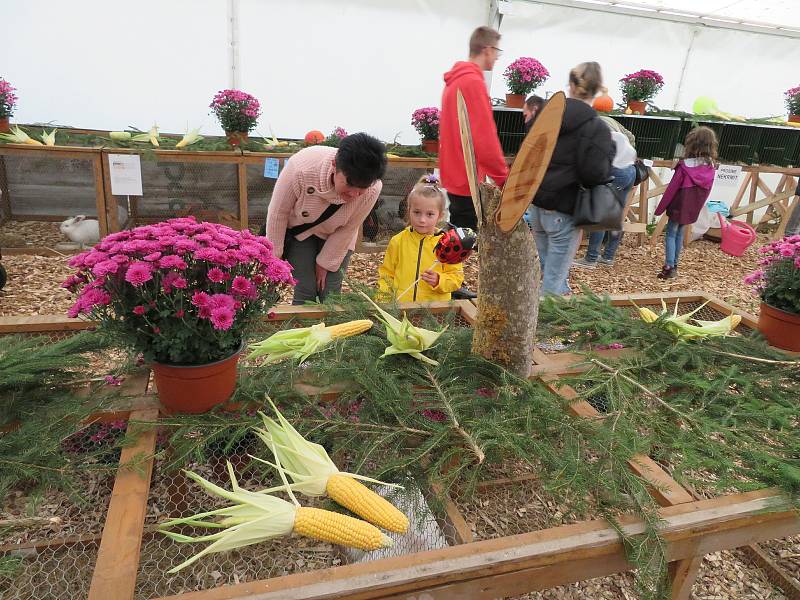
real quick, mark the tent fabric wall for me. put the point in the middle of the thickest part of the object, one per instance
(746, 73)
(361, 64)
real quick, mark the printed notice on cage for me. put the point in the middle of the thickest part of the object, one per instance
(126, 174)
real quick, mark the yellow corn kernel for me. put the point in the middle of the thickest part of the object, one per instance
(648, 316)
(336, 528)
(368, 505)
(349, 328)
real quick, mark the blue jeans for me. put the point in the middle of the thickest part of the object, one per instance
(673, 243)
(556, 242)
(623, 181)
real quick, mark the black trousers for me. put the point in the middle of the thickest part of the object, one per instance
(462, 211)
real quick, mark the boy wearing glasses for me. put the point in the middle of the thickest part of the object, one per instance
(467, 76)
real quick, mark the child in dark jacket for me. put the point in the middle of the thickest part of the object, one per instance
(686, 193)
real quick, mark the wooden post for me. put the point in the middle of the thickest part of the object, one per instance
(243, 220)
(643, 206)
(111, 199)
(753, 191)
(118, 557)
(100, 193)
(5, 207)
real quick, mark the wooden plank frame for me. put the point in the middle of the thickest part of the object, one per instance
(471, 570)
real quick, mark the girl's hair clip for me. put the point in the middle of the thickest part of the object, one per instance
(431, 179)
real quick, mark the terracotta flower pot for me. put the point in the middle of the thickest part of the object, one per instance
(5, 127)
(637, 106)
(194, 389)
(430, 146)
(794, 118)
(236, 138)
(515, 100)
(781, 328)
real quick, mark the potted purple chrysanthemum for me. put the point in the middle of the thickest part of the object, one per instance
(237, 112)
(426, 122)
(777, 282)
(8, 101)
(792, 97)
(184, 294)
(522, 77)
(640, 87)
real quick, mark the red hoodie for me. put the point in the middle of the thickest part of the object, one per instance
(468, 77)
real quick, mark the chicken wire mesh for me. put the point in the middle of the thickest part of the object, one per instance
(47, 186)
(173, 495)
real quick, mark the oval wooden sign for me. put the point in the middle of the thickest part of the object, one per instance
(531, 163)
(469, 155)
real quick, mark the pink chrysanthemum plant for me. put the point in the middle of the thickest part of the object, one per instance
(777, 279)
(426, 122)
(641, 86)
(236, 110)
(8, 100)
(180, 292)
(792, 99)
(524, 75)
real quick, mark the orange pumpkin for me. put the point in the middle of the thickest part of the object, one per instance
(603, 103)
(314, 137)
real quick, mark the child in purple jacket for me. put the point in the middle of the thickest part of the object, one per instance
(687, 193)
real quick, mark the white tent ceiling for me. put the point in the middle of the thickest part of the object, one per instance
(769, 16)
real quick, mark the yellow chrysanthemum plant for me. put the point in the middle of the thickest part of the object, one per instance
(314, 474)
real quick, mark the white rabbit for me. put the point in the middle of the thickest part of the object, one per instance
(81, 230)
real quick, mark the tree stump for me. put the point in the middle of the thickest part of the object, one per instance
(508, 297)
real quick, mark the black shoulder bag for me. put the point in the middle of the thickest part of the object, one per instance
(298, 229)
(599, 208)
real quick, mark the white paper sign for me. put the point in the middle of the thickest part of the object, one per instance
(126, 174)
(728, 176)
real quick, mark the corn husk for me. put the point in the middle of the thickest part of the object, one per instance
(299, 343)
(254, 517)
(189, 138)
(18, 136)
(306, 463)
(680, 327)
(405, 338)
(151, 136)
(49, 139)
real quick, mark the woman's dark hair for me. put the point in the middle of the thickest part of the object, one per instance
(701, 142)
(534, 102)
(362, 159)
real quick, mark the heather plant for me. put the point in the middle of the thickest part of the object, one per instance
(524, 75)
(180, 292)
(777, 280)
(237, 111)
(641, 86)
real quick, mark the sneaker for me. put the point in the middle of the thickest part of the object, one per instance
(463, 293)
(605, 262)
(668, 272)
(584, 264)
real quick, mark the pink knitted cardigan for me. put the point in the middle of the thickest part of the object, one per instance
(303, 191)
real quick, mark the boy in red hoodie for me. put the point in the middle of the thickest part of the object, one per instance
(467, 76)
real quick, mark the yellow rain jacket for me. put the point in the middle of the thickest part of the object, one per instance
(408, 255)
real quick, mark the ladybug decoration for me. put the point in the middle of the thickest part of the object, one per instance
(455, 245)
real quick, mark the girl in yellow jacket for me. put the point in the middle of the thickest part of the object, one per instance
(410, 255)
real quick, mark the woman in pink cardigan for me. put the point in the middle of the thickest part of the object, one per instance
(320, 200)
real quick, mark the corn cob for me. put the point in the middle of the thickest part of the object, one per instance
(18, 136)
(304, 341)
(119, 135)
(189, 138)
(314, 474)
(256, 517)
(49, 139)
(679, 325)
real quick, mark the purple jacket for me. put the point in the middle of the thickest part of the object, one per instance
(687, 192)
